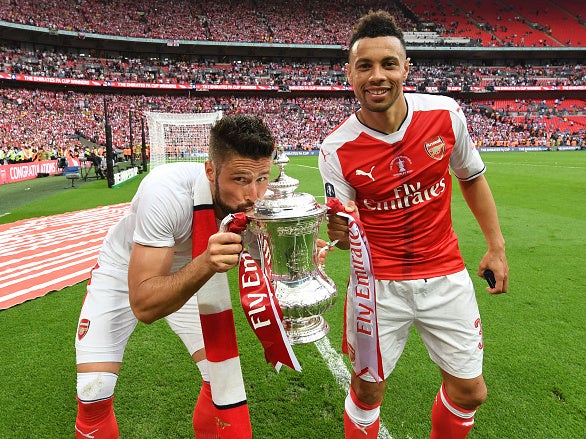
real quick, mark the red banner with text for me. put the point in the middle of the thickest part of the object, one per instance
(27, 171)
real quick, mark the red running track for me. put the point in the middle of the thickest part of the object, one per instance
(46, 254)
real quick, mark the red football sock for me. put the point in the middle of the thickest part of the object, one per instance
(357, 431)
(96, 420)
(234, 423)
(353, 431)
(448, 421)
(204, 414)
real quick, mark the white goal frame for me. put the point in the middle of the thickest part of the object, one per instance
(179, 137)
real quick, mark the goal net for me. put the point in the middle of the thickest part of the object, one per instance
(179, 137)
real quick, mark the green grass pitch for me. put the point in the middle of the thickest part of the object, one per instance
(535, 360)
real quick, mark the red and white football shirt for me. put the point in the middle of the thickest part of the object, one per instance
(402, 186)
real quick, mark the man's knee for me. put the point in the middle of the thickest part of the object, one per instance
(466, 393)
(368, 392)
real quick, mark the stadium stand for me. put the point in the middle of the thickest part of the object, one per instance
(52, 92)
(49, 63)
(303, 22)
(509, 25)
(558, 22)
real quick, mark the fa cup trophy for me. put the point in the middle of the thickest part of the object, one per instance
(287, 224)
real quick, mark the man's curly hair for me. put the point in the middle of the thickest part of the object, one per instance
(239, 134)
(376, 24)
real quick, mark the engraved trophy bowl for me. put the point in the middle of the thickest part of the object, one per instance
(287, 224)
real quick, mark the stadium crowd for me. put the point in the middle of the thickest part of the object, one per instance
(36, 119)
(49, 63)
(34, 123)
(303, 21)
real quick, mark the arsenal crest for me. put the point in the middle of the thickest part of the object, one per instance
(83, 328)
(435, 147)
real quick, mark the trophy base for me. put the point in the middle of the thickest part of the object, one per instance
(305, 330)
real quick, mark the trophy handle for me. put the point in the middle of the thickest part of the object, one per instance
(234, 222)
(225, 223)
(326, 248)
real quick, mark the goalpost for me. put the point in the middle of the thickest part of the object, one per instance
(179, 137)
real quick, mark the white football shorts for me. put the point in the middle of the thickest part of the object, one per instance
(444, 311)
(106, 320)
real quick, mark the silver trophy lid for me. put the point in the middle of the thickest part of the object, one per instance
(281, 201)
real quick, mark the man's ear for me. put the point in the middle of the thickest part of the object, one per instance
(406, 68)
(348, 73)
(210, 171)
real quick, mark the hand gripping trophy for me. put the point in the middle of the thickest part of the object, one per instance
(287, 224)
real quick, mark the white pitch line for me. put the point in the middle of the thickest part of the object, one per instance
(336, 364)
(341, 374)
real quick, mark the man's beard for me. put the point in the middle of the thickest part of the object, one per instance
(224, 208)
